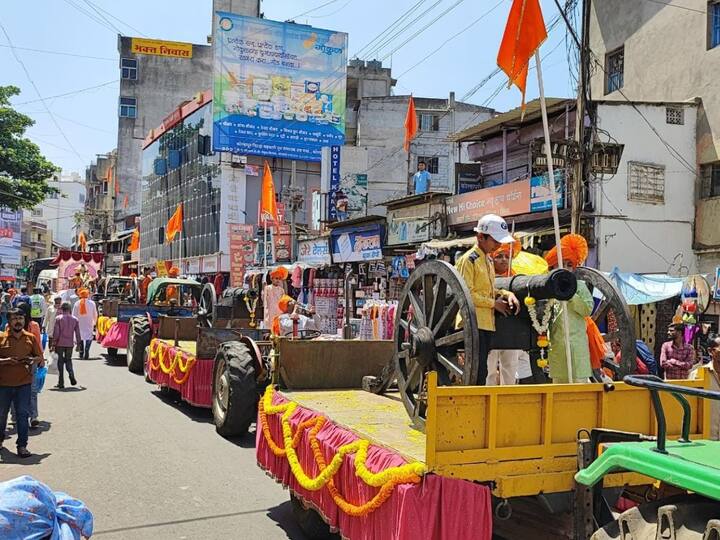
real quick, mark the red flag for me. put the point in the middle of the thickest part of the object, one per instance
(411, 124)
(268, 205)
(134, 241)
(82, 241)
(524, 33)
(174, 224)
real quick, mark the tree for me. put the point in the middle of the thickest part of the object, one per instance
(24, 171)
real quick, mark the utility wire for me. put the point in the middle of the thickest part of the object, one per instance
(338, 10)
(37, 91)
(388, 28)
(313, 9)
(677, 6)
(103, 17)
(66, 94)
(90, 15)
(117, 19)
(60, 53)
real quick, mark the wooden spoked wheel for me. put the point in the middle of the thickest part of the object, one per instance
(612, 312)
(426, 338)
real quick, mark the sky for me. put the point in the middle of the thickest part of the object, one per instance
(451, 47)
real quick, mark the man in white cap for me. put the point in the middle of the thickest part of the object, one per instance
(478, 271)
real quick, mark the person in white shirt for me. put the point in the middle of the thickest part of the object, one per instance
(86, 313)
(50, 315)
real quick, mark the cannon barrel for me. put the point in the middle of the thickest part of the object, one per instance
(558, 284)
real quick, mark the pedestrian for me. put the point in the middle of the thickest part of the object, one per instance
(85, 312)
(38, 306)
(145, 283)
(67, 328)
(52, 312)
(5, 307)
(34, 328)
(272, 294)
(676, 356)
(478, 273)
(22, 297)
(574, 252)
(19, 352)
(421, 179)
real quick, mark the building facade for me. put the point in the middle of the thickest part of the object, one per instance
(100, 178)
(63, 211)
(36, 239)
(659, 52)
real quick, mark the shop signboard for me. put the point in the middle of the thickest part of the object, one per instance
(357, 244)
(282, 244)
(242, 252)
(209, 264)
(314, 252)
(334, 164)
(716, 290)
(278, 88)
(505, 200)
(10, 248)
(408, 225)
(192, 266)
(540, 199)
(161, 269)
(158, 47)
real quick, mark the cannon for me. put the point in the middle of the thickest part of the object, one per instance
(426, 338)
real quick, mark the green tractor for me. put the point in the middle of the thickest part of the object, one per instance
(684, 502)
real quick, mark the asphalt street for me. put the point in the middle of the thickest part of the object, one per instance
(148, 468)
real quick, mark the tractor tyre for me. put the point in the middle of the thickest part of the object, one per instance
(139, 338)
(682, 517)
(235, 389)
(310, 521)
(112, 354)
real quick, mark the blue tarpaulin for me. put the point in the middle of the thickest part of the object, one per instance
(645, 288)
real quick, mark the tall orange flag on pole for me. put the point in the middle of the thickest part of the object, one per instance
(82, 241)
(268, 205)
(524, 33)
(134, 241)
(411, 124)
(174, 224)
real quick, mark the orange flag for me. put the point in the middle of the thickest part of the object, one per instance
(82, 241)
(524, 33)
(174, 224)
(134, 241)
(126, 202)
(268, 205)
(411, 124)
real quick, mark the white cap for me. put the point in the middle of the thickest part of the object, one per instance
(496, 227)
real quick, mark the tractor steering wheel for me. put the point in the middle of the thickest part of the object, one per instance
(303, 334)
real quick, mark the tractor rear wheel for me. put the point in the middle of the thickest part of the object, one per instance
(235, 389)
(138, 339)
(682, 517)
(310, 521)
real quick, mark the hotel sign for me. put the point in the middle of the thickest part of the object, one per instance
(161, 48)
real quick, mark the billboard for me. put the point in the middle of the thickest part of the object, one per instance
(278, 88)
(540, 199)
(10, 222)
(357, 244)
(504, 200)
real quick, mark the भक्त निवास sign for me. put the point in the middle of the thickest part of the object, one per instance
(158, 47)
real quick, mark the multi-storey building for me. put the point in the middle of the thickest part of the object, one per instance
(63, 211)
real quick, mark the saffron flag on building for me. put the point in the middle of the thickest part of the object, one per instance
(82, 241)
(524, 33)
(268, 205)
(174, 224)
(134, 241)
(126, 201)
(411, 124)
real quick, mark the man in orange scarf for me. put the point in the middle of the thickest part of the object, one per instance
(145, 283)
(283, 324)
(86, 313)
(272, 295)
(172, 291)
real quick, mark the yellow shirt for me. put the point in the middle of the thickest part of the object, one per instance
(479, 275)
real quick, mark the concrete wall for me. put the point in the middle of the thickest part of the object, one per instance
(59, 212)
(666, 59)
(664, 231)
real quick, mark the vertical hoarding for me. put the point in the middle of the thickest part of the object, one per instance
(9, 244)
(278, 88)
(242, 252)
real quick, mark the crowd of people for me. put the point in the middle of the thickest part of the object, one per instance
(36, 330)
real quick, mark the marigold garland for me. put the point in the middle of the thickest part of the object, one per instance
(386, 480)
(158, 357)
(104, 324)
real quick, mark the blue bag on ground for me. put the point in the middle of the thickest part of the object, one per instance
(39, 381)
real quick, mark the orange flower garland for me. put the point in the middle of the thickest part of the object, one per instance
(159, 353)
(385, 480)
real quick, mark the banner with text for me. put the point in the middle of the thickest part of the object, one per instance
(363, 243)
(10, 248)
(314, 252)
(505, 200)
(242, 252)
(278, 88)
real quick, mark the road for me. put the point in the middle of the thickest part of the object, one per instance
(146, 467)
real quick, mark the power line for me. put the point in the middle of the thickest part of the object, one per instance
(103, 17)
(338, 10)
(37, 91)
(389, 27)
(313, 9)
(677, 6)
(60, 53)
(117, 19)
(66, 94)
(90, 15)
(481, 17)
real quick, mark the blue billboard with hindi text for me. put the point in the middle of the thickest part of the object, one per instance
(278, 88)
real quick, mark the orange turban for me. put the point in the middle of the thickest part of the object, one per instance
(83, 294)
(574, 248)
(279, 273)
(505, 248)
(174, 271)
(284, 302)
(133, 275)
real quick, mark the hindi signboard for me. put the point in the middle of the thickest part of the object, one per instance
(279, 88)
(158, 47)
(315, 252)
(363, 243)
(505, 200)
(242, 252)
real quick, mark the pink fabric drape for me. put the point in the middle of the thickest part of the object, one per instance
(117, 336)
(197, 390)
(438, 508)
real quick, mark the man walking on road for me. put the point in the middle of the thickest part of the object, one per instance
(19, 351)
(86, 314)
(38, 306)
(22, 297)
(66, 328)
(479, 275)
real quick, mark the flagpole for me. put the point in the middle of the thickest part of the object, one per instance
(553, 199)
(265, 241)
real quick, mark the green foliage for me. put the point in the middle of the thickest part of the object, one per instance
(24, 171)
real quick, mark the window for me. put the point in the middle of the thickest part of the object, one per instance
(429, 122)
(614, 68)
(37, 212)
(81, 198)
(674, 115)
(431, 163)
(710, 180)
(105, 187)
(713, 24)
(128, 68)
(53, 195)
(128, 107)
(646, 182)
